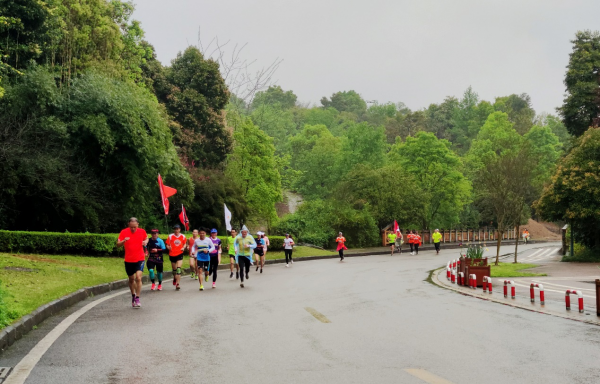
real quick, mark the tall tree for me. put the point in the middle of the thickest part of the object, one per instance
(275, 95)
(195, 99)
(519, 111)
(346, 101)
(574, 194)
(443, 189)
(581, 106)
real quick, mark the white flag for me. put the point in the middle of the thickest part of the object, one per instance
(227, 218)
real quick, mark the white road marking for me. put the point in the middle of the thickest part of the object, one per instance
(23, 369)
(549, 290)
(427, 376)
(564, 286)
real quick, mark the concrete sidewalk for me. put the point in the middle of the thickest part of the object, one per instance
(561, 276)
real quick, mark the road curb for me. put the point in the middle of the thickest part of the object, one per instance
(435, 279)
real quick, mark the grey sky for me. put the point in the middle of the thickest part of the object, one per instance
(414, 51)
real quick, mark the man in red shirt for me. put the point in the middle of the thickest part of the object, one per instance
(134, 239)
(176, 244)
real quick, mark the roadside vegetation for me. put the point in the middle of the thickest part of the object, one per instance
(513, 270)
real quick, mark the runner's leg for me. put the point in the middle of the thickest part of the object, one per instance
(214, 265)
(192, 266)
(179, 264)
(159, 270)
(174, 268)
(262, 263)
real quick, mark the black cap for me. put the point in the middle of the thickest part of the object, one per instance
(176, 226)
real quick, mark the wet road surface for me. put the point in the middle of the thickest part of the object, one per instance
(369, 319)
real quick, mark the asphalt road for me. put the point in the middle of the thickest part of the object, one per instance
(367, 320)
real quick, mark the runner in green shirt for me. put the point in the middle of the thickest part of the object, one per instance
(437, 238)
(232, 252)
(392, 241)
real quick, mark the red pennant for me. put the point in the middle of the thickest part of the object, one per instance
(184, 219)
(165, 193)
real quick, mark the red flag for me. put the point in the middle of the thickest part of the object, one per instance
(165, 193)
(396, 228)
(184, 219)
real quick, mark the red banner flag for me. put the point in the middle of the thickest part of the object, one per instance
(184, 219)
(165, 193)
(396, 228)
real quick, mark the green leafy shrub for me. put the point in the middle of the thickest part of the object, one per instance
(89, 244)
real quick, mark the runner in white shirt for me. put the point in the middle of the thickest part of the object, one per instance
(288, 246)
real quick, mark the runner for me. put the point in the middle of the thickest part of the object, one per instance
(260, 252)
(245, 245)
(215, 256)
(288, 247)
(202, 249)
(190, 245)
(341, 240)
(156, 246)
(267, 243)
(437, 238)
(133, 239)
(417, 241)
(526, 235)
(231, 249)
(411, 241)
(392, 241)
(176, 244)
(399, 242)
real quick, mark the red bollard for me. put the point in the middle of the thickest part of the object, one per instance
(453, 277)
(448, 271)
(473, 281)
(532, 292)
(568, 299)
(461, 278)
(487, 283)
(512, 288)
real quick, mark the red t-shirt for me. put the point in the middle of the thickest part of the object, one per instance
(134, 249)
(177, 244)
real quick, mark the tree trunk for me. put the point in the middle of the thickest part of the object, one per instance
(517, 241)
(500, 234)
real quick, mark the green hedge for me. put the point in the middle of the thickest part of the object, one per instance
(90, 244)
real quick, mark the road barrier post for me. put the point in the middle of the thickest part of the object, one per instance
(473, 281)
(532, 288)
(487, 283)
(453, 278)
(568, 299)
(597, 297)
(461, 278)
(512, 288)
(448, 271)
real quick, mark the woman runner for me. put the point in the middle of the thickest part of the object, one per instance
(417, 241)
(192, 256)
(341, 240)
(288, 246)
(215, 256)
(245, 244)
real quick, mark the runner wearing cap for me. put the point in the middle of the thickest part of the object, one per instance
(202, 249)
(156, 246)
(260, 251)
(245, 244)
(437, 238)
(190, 245)
(134, 239)
(215, 256)
(176, 244)
(231, 249)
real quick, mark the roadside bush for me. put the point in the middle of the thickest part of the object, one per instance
(88, 244)
(583, 254)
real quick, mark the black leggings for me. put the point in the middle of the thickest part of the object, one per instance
(437, 246)
(214, 266)
(243, 262)
(341, 252)
(417, 248)
(412, 247)
(288, 255)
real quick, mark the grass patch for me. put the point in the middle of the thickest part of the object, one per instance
(29, 281)
(513, 270)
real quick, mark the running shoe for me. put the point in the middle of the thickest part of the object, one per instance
(202, 287)
(192, 275)
(242, 285)
(136, 303)
(237, 275)
(205, 277)
(261, 270)
(133, 301)
(160, 287)
(231, 275)
(196, 277)
(257, 268)
(174, 282)
(177, 288)
(214, 285)
(287, 265)
(153, 287)
(247, 277)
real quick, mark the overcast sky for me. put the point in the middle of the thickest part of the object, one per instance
(413, 51)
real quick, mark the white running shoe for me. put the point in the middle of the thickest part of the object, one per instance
(287, 265)
(292, 261)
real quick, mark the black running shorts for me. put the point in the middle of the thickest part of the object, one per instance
(175, 259)
(132, 268)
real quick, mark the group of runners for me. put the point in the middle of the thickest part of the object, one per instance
(395, 241)
(204, 255)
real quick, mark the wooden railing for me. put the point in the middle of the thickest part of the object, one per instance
(458, 235)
